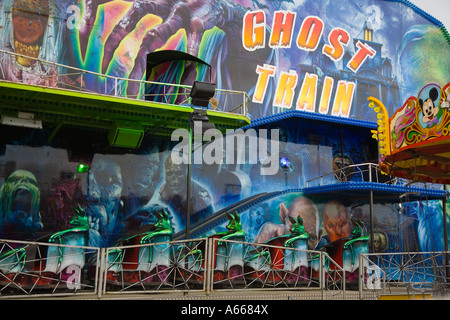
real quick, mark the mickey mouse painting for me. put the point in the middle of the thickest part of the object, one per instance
(431, 110)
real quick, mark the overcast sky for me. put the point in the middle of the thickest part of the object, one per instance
(439, 9)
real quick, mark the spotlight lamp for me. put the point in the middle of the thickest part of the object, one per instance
(201, 93)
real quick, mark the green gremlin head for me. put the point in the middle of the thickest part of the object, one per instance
(163, 222)
(80, 219)
(235, 223)
(297, 227)
(358, 227)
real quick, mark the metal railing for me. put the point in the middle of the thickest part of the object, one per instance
(207, 265)
(242, 265)
(164, 266)
(365, 172)
(37, 268)
(51, 74)
(211, 264)
(410, 272)
(247, 266)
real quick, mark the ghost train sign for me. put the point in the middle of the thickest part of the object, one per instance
(308, 38)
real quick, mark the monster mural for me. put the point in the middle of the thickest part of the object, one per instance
(291, 57)
(121, 193)
(20, 205)
(272, 58)
(29, 30)
(103, 200)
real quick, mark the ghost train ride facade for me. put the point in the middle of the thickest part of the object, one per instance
(92, 200)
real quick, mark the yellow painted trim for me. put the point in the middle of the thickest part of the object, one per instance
(406, 297)
(385, 122)
(95, 99)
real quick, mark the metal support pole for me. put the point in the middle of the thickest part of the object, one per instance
(371, 221)
(444, 217)
(322, 273)
(188, 184)
(208, 265)
(361, 276)
(101, 271)
(343, 284)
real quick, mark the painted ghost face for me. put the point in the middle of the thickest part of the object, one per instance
(146, 177)
(105, 180)
(20, 199)
(257, 217)
(336, 221)
(105, 189)
(175, 178)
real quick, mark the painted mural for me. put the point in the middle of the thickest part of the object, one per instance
(107, 199)
(121, 193)
(316, 56)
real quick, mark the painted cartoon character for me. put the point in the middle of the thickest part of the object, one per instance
(402, 120)
(431, 111)
(445, 96)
